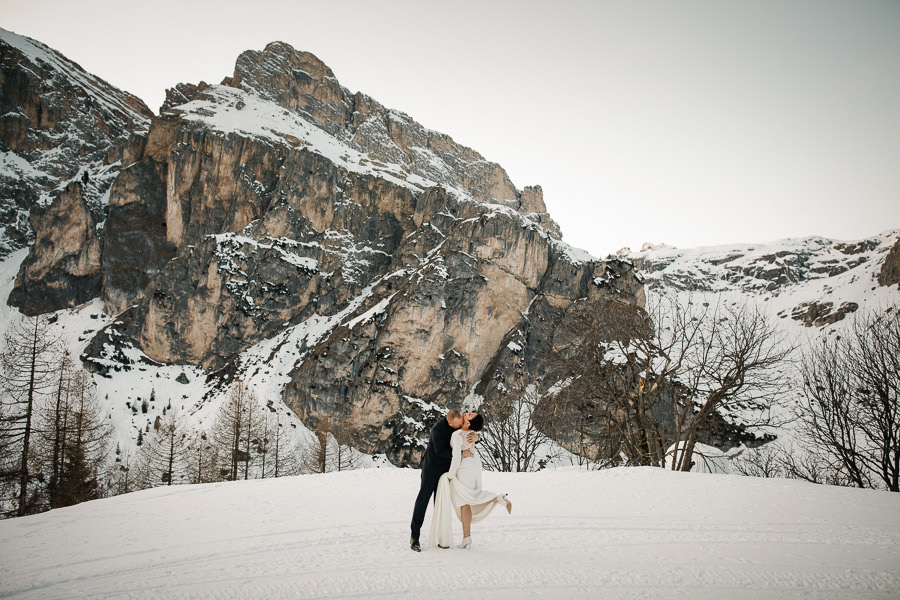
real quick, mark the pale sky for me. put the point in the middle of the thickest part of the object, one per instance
(692, 123)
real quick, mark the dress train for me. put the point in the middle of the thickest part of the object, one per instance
(451, 495)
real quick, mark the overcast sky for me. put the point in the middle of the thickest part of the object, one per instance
(691, 123)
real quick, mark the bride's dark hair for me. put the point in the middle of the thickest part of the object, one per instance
(476, 423)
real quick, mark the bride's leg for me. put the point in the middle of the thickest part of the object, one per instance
(465, 515)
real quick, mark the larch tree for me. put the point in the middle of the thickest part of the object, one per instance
(279, 451)
(165, 452)
(331, 447)
(75, 437)
(236, 428)
(203, 466)
(29, 365)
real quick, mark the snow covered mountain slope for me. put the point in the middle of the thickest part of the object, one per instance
(808, 288)
(810, 284)
(618, 534)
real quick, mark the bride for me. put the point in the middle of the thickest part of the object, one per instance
(460, 489)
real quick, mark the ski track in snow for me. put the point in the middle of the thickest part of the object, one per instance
(622, 533)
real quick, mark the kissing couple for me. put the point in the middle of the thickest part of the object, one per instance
(451, 472)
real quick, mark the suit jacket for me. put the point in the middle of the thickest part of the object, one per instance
(438, 454)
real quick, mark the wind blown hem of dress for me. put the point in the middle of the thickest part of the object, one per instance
(451, 495)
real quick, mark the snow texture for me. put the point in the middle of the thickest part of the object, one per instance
(621, 533)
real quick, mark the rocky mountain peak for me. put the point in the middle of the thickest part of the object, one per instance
(277, 58)
(304, 85)
(293, 79)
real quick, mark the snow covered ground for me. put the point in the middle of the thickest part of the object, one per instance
(622, 533)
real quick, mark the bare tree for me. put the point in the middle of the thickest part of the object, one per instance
(74, 438)
(278, 450)
(315, 451)
(165, 453)
(123, 476)
(851, 392)
(50, 428)
(598, 399)
(800, 461)
(735, 368)
(28, 369)
(766, 462)
(330, 449)
(511, 439)
(236, 429)
(643, 381)
(202, 460)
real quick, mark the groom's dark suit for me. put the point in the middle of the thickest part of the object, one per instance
(435, 463)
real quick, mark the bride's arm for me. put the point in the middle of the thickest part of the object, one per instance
(455, 445)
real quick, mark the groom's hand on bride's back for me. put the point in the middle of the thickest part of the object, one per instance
(472, 437)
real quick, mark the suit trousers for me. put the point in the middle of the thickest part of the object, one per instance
(431, 474)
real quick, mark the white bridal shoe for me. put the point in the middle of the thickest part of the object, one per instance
(466, 543)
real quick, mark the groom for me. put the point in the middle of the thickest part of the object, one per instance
(435, 463)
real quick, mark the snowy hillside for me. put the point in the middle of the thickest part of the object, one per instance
(182, 387)
(804, 281)
(621, 533)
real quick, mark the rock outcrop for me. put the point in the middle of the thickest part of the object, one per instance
(64, 262)
(889, 275)
(62, 134)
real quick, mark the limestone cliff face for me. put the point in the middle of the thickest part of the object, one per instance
(62, 134)
(65, 260)
(279, 226)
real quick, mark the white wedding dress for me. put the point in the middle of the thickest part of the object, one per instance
(457, 487)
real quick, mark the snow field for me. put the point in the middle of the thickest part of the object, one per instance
(621, 533)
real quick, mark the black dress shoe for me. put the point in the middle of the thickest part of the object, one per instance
(414, 545)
